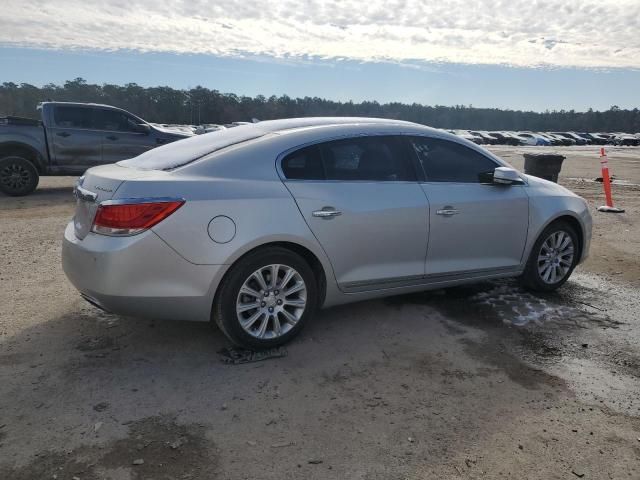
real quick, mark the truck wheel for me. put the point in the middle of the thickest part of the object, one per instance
(18, 176)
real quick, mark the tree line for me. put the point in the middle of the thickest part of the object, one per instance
(201, 105)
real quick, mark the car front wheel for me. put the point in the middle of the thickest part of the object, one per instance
(266, 298)
(552, 258)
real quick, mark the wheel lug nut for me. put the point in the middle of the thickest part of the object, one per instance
(270, 309)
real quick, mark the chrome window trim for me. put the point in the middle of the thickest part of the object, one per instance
(297, 180)
(520, 184)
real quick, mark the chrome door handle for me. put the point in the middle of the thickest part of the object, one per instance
(327, 212)
(447, 211)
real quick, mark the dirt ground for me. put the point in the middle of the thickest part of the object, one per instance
(485, 381)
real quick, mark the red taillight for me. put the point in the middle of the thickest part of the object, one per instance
(131, 218)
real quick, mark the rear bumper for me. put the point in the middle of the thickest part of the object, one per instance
(139, 276)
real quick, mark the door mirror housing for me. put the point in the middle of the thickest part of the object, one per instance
(144, 128)
(506, 176)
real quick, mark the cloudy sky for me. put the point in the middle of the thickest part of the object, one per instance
(431, 51)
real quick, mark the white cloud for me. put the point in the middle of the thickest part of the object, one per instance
(529, 33)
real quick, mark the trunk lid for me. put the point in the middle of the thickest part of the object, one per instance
(97, 185)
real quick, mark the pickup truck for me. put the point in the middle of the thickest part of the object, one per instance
(69, 138)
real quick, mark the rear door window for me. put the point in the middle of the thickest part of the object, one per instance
(374, 158)
(73, 117)
(446, 161)
(113, 120)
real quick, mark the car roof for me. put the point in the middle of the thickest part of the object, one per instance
(296, 130)
(91, 105)
(81, 104)
(281, 125)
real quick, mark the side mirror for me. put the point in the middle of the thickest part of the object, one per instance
(144, 128)
(506, 176)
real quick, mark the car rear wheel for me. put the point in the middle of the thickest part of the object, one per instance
(266, 298)
(553, 258)
(18, 176)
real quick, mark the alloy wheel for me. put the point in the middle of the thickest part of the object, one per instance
(15, 176)
(271, 301)
(555, 257)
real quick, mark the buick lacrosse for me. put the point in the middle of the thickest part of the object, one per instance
(257, 226)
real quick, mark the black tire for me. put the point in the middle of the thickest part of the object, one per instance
(18, 176)
(531, 278)
(224, 308)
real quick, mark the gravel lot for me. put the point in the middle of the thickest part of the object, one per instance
(485, 381)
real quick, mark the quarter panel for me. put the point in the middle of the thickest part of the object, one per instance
(32, 138)
(545, 210)
(263, 212)
(550, 201)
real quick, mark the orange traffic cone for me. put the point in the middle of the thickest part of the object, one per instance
(606, 183)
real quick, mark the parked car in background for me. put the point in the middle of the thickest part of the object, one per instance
(467, 135)
(257, 226)
(577, 138)
(69, 138)
(551, 139)
(508, 138)
(534, 139)
(595, 138)
(208, 128)
(625, 139)
(487, 138)
(564, 141)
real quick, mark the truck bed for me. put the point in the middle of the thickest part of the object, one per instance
(30, 122)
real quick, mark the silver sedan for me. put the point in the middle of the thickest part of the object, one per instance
(257, 226)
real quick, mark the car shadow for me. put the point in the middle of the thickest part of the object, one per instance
(390, 366)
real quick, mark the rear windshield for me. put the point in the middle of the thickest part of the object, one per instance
(182, 152)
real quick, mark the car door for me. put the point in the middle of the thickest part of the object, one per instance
(475, 226)
(362, 202)
(122, 135)
(75, 142)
